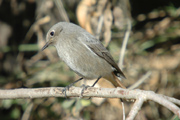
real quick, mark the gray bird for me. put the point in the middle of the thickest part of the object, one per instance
(83, 53)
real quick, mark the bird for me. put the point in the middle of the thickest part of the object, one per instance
(83, 53)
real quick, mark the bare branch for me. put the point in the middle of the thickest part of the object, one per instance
(124, 44)
(61, 9)
(140, 95)
(173, 100)
(140, 81)
(124, 115)
(99, 28)
(136, 107)
(27, 112)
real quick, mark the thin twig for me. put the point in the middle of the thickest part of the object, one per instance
(174, 100)
(140, 81)
(124, 115)
(33, 28)
(99, 28)
(166, 103)
(124, 44)
(61, 9)
(27, 112)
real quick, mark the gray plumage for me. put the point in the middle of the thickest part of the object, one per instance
(82, 52)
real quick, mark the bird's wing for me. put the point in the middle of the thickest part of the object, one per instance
(102, 52)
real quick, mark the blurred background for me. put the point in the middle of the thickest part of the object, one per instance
(153, 52)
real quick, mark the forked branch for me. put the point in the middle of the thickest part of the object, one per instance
(139, 95)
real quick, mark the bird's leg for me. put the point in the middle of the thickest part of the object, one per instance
(96, 81)
(67, 87)
(86, 86)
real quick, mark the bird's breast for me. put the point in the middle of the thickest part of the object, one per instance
(83, 61)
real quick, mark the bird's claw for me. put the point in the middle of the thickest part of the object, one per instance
(65, 89)
(84, 87)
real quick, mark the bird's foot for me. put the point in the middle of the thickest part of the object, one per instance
(65, 89)
(84, 87)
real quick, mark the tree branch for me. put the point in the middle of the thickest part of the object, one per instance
(135, 109)
(140, 95)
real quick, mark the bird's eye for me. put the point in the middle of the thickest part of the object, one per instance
(52, 33)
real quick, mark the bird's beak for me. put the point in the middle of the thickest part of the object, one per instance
(45, 46)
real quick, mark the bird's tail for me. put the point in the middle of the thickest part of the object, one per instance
(119, 83)
(115, 80)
